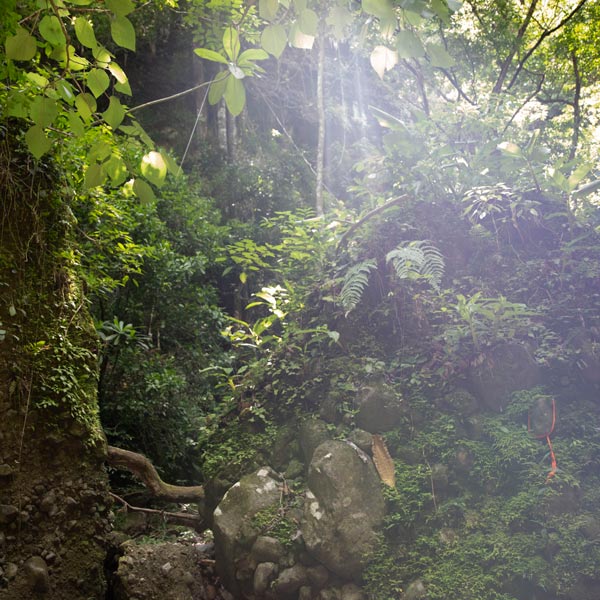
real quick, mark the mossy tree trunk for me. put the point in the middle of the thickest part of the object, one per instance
(53, 488)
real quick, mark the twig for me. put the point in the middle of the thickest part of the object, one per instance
(167, 98)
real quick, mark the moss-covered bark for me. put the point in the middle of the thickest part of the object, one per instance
(53, 489)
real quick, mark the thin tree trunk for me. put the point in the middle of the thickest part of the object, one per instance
(576, 108)
(321, 125)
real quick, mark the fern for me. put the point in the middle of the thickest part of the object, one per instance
(355, 282)
(418, 259)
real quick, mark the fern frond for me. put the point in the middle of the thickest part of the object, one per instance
(418, 259)
(355, 282)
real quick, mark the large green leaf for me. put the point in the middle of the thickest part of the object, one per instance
(383, 59)
(85, 32)
(37, 142)
(43, 111)
(65, 91)
(252, 54)
(99, 151)
(267, 9)
(120, 8)
(143, 191)
(409, 45)
(116, 169)
(51, 30)
(379, 8)
(217, 87)
(301, 40)
(122, 32)
(439, 57)
(211, 55)
(308, 22)
(235, 95)
(20, 46)
(86, 106)
(274, 39)
(154, 168)
(231, 43)
(94, 176)
(76, 125)
(115, 113)
(97, 81)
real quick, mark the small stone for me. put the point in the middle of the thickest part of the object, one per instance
(10, 570)
(318, 576)
(167, 568)
(5, 470)
(264, 574)
(8, 513)
(351, 591)
(37, 573)
(305, 593)
(290, 580)
(48, 503)
(267, 549)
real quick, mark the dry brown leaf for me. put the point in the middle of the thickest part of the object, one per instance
(383, 461)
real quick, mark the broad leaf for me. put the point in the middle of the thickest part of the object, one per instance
(154, 168)
(99, 151)
(439, 57)
(510, 149)
(116, 169)
(211, 55)
(274, 40)
(122, 32)
(217, 87)
(102, 55)
(235, 96)
(231, 43)
(236, 71)
(97, 81)
(117, 72)
(120, 8)
(20, 46)
(251, 54)
(86, 106)
(579, 174)
(76, 125)
(308, 22)
(299, 39)
(143, 191)
(379, 8)
(267, 9)
(85, 32)
(115, 113)
(43, 111)
(65, 91)
(94, 176)
(51, 30)
(440, 8)
(409, 45)
(37, 142)
(383, 59)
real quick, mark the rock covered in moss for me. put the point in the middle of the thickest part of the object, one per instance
(344, 508)
(379, 408)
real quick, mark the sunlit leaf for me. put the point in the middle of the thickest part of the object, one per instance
(115, 113)
(231, 43)
(440, 8)
(379, 8)
(116, 169)
(235, 96)
(339, 19)
(274, 39)
(308, 22)
(267, 9)
(143, 191)
(37, 141)
(236, 71)
(86, 105)
(98, 81)
(76, 124)
(103, 56)
(94, 176)
(579, 174)
(99, 151)
(510, 149)
(299, 39)
(439, 57)
(122, 32)
(85, 32)
(65, 91)
(43, 111)
(20, 46)
(154, 168)
(210, 55)
(409, 45)
(252, 54)
(217, 87)
(383, 59)
(120, 8)
(118, 73)
(50, 29)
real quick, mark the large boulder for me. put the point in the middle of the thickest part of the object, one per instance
(344, 508)
(379, 408)
(234, 530)
(506, 368)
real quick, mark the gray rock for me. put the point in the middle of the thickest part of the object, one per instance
(363, 439)
(379, 408)
(6, 470)
(415, 591)
(462, 401)
(294, 469)
(312, 433)
(343, 509)
(36, 571)
(267, 549)
(350, 591)
(330, 594)
(10, 571)
(318, 576)
(264, 574)
(290, 581)
(305, 593)
(233, 528)
(507, 367)
(8, 513)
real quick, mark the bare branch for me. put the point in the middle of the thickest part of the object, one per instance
(144, 470)
(167, 98)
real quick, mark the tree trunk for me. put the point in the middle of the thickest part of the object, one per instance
(321, 133)
(53, 489)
